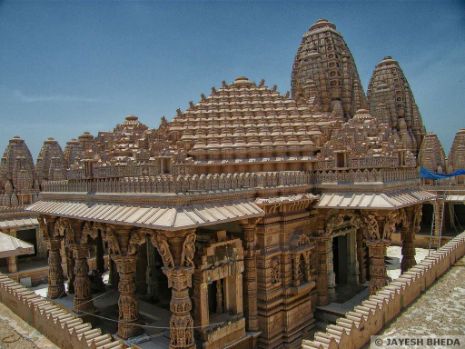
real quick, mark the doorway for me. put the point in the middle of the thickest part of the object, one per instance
(345, 266)
(340, 262)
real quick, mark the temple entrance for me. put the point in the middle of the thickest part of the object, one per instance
(340, 262)
(345, 265)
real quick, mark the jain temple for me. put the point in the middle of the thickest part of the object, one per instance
(237, 223)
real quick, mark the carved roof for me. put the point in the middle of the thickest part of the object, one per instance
(379, 201)
(324, 72)
(244, 116)
(154, 217)
(11, 246)
(391, 101)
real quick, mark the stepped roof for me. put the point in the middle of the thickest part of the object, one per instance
(244, 114)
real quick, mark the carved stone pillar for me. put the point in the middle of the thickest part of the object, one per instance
(378, 273)
(177, 253)
(82, 291)
(326, 284)
(219, 297)
(12, 264)
(181, 322)
(99, 255)
(201, 313)
(408, 249)
(250, 277)
(127, 303)
(113, 277)
(151, 273)
(56, 286)
(70, 269)
(361, 257)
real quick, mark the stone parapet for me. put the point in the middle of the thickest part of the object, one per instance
(58, 324)
(354, 330)
(180, 184)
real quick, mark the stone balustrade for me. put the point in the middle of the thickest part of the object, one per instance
(361, 163)
(384, 175)
(180, 184)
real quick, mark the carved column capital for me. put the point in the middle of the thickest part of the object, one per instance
(177, 252)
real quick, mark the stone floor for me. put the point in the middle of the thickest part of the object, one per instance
(439, 311)
(153, 318)
(17, 334)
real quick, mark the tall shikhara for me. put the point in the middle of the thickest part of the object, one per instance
(324, 73)
(50, 162)
(391, 101)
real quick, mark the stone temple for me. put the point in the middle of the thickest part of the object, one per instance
(231, 225)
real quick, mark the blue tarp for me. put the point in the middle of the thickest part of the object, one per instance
(427, 174)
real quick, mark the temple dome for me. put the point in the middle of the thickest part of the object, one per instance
(325, 70)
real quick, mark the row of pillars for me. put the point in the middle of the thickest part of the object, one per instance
(177, 268)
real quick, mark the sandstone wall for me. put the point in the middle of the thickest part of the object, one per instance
(355, 329)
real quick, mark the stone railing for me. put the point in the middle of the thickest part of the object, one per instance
(385, 175)
(181, 184)
(132, 169)
(367, 319)
(443, 187)
(56, 323)
(362, 163)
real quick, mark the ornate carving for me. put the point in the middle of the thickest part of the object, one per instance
(188, 250)
(127, 302)
(275, 271)
(341, 220)
(136, 239)
(160, 242)
(111, 238)
(82, 290)
(417, 216)
(56, 286)
(88, 230)
(371, 227)
(378, 275)
(250, 276)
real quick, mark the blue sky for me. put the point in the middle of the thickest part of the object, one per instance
(73, 66)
